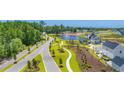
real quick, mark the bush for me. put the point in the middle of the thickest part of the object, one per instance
(53, 52)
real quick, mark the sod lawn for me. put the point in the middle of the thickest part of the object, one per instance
(74, 63)
(58, 55)
(40, 65)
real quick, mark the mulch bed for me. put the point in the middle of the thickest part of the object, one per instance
(96, 66)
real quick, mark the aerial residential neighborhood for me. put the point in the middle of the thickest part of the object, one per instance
(38, 46)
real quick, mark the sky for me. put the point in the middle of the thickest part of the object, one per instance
(88, 23)
(85, 23)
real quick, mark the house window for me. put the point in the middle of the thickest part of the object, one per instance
(120, 51)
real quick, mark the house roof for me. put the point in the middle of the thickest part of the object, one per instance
(118, 61)
(111, 45)
(83, 39)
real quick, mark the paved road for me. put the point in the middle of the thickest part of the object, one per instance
(7, 62)
(49, 62)
(23, 62)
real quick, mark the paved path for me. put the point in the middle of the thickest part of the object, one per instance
(68, 60)
(49, 62)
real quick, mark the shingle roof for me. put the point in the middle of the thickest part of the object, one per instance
(118, 61)
(111, 45)
(83, 39)
(92, 36)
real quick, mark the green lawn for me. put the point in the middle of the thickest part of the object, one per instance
(74, 63)
(59, 55)
(40, 65)
(7, 67)
(64, 56)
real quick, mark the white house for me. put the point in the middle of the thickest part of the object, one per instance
(112, 49)
(118, 64)
(116, 52)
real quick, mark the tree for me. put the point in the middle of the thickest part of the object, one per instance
(16, 45)
(2, 51)
(29, 49)
(34, 63)
(42, 23)
(53, 52)
(14, 56)
(78, 47)
(15, 33)
(61, 62)
(29, 65)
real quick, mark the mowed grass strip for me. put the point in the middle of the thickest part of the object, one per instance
(74, 63)
(40, 65)
(58, 55)
(7, 67)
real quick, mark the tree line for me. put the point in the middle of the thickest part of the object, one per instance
(15, 35)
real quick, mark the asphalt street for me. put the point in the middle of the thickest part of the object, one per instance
(49, 62)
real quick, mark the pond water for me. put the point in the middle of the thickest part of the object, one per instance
(67, 37)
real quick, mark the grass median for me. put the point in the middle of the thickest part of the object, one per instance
(40, 65)
(55, 51)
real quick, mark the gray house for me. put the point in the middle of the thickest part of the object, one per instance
(94, 39)
(83, 40)
(112, 49)
(118, 63)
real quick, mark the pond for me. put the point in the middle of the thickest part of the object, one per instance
(67, 37)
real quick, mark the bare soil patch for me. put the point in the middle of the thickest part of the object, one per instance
(88, 63)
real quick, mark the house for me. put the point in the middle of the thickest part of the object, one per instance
(94, 39)
(83, 40)
(118, 31)
(112, 49)
(118, 64)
